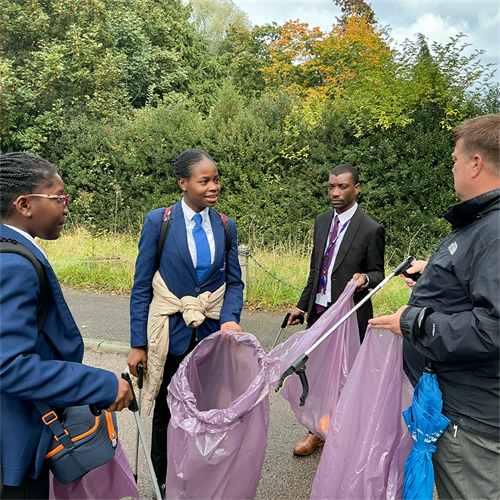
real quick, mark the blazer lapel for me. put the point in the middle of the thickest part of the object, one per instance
(323, 232)
(348, 238)
(179, 233)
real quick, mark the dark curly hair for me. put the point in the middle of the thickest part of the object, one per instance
(182, 164)
(22, 173)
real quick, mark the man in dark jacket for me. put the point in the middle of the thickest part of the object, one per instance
(348, 245)
(452, 318)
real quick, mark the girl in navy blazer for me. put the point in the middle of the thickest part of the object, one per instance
(40, 367)
(182, 279)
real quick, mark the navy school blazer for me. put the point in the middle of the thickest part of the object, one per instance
(44, 367)
(179, 274)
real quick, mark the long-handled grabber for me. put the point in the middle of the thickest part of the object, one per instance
(134, 407)
(285, 322)
(140, 382)
(299, 365)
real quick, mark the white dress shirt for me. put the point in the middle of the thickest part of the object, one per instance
(27, 236)
(189, 213)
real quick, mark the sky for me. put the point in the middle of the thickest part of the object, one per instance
(437, 20)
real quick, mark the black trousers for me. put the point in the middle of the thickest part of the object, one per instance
(161, 414)
(32, 489)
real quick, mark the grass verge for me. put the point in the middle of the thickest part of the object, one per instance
(106, 263)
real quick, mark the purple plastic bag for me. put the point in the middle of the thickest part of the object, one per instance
(327, 367)
(219, 401)
(366, 445)
(397, 469)
(111, 481)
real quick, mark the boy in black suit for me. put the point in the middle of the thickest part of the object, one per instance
(348, 245)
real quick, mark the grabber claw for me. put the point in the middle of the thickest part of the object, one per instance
(298, 367)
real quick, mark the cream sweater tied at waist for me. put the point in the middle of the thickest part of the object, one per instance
(194, 310)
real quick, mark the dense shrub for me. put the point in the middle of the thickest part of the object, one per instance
(274, 166)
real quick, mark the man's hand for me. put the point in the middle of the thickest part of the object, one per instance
(135, 356)
(294, 313)
(231, 325)
(417, 267)
(390, 322)
(124, 396)
(361, 279)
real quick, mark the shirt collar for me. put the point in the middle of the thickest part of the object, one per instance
(189, 213)
(347, 215)
(27, 236)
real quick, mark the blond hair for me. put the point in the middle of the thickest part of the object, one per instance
(481, 135)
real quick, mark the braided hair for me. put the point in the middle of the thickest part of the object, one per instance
(22, 173)
(182, 164)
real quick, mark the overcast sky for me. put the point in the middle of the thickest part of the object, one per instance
(437, 20)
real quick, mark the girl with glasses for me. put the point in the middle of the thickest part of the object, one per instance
(46, 366)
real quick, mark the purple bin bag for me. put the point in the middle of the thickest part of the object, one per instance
(365, 448)
(397, 469)
(111, 481)
(328, 365)
(219, 401)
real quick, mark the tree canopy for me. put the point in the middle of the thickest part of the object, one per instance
(216, 18)
(100, 57)
(111, 91)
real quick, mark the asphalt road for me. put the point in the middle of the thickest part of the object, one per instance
(103, 320)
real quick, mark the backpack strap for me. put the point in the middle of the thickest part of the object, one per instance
(227, 230)
(9, 245)
(165, 228)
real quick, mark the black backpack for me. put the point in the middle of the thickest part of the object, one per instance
(9, 245)
(165, 227)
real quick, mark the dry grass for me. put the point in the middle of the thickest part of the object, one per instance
(74, 254)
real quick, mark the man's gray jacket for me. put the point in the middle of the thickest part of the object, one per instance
(453, 317)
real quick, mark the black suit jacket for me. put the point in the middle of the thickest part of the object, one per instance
(361, 251)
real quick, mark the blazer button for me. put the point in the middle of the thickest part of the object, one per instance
(197, 289)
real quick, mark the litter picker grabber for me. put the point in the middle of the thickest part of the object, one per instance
(134, 407)
(285, 321)
(299, 365)
(140, 382)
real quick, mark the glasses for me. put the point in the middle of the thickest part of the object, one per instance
(63, 198)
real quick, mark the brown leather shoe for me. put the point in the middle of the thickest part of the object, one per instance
(307, 445)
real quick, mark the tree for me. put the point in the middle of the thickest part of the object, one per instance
(215, 18)
(321, 65)
(245, 53)
(96, 57)
(358, 7)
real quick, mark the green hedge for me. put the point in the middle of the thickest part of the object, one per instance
(274, 165)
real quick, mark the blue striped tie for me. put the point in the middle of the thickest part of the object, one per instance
(203, 258)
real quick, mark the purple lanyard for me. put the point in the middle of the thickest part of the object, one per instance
(327, 253)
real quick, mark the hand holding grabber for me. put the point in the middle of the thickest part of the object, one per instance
(299, 366)
(283, 325)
